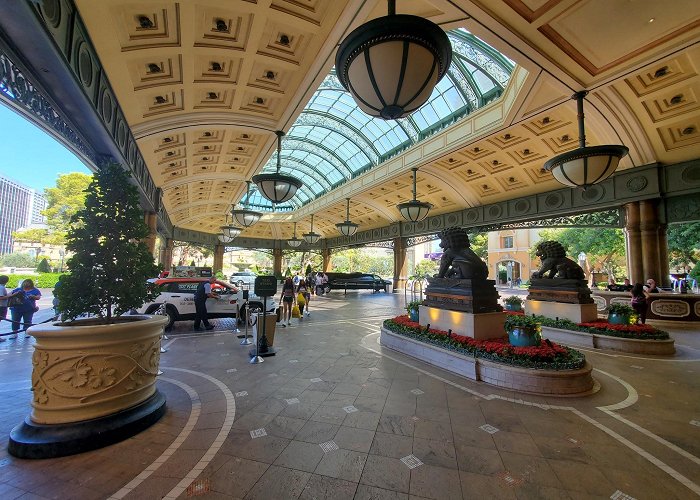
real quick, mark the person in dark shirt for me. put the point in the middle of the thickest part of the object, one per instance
(200, 303)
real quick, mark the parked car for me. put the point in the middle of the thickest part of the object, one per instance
(357, 281)
(243, 278)
(178, 296)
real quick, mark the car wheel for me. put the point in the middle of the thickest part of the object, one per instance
(171, 313)
(240, 282)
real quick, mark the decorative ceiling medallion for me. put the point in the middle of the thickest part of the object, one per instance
(636, 184)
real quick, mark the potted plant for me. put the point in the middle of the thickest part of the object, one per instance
(513, 303)
(619, 314)
(523, 330)
(412, 309)
(93, 378)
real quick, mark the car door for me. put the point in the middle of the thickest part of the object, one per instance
(226, 303)
(182, 296)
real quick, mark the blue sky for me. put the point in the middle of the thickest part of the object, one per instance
(30, 156)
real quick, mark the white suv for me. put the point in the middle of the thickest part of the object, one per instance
(243, 278)
(178, 296)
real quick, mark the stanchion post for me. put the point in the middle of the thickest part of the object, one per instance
(246, 340)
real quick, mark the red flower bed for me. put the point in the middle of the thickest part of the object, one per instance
(500, 346)
(603, 323)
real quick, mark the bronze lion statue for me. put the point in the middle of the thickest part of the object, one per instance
(458, 259)
(555, 263)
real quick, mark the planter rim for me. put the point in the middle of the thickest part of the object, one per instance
(626, 339)
(77, 329)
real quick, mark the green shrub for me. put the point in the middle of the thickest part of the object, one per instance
(43, 280)
(43, 266)
(621, 309)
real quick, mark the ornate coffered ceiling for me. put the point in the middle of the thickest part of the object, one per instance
(204, 84)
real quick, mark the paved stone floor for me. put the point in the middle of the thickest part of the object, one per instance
(335, 416)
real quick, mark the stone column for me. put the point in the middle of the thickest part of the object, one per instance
(152, 223)
(633, 243)
(649, 229)
(327, 259)
(277, 262)
(167, 259)
(218, 258)
(400, 267)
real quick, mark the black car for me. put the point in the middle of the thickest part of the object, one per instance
(357, 281)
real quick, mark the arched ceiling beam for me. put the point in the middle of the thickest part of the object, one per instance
(324, 161)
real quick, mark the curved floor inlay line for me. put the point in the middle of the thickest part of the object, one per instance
(220, 438)
(184, 433)
(622, 440)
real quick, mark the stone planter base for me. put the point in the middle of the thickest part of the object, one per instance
(31, 440)
(578, 313)
(480, 326)
(596, 341)
(542, 382)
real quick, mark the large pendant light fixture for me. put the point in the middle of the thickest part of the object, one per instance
(294, 242)
(391, 64)
(277, 187)
(312, 237)
(244, 216)
(347, 228)
(414, 210)
(229, 231)
(585, 166)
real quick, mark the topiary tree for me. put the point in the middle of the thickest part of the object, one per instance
(43, 266)
(110, 264)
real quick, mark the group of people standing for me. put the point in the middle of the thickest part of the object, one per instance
(22, 303)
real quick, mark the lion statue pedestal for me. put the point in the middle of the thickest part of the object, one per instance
(459, 297)
(558, 289)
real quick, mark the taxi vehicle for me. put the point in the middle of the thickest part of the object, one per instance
(178, 296)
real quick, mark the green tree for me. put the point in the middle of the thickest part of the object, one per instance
(479, 243)
(62, 202)
(110, 264)
(425, 268)
(43, 266)
(18, 260)
(684, 245)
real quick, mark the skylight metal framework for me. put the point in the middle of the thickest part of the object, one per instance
(333, 141)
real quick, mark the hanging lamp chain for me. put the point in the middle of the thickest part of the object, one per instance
(347, 213)
(391, 7)
(579, 110)
(279, 149)
(415, 175)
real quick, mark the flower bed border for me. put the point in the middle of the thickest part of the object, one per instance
(664, 347)
(576, 382)
(497, 350)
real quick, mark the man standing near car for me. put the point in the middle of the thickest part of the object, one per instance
(200, 303)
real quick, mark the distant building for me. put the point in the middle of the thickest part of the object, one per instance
(509, 255)
(20, 206)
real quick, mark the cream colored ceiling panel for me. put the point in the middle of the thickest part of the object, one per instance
(154, 71)
(222, 28)
(216, 68)
(147, 25)
(596, 41)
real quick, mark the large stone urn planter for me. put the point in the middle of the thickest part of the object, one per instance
(93, 384)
